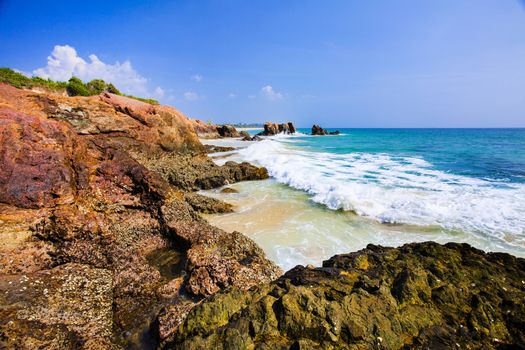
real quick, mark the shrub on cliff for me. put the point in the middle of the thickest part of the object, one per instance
(48, 83)
(96, 86)
(16, 79)
(112, 89)
(20, 81)
(75, 87)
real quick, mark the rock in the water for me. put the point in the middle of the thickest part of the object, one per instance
(227, 131)
(418, 296)
(271, 129)
(245, 136)
(257, 138)
(291, 128)
(216, 149)
(229, 190)
(317, 130)
(201, 173)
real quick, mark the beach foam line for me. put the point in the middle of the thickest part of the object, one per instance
(397, 189)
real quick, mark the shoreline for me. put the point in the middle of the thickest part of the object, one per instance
(105, 242)
(257, 201)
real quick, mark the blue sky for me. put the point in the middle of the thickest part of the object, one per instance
(433, 63)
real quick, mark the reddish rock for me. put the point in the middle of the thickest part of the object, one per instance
(82, 183)
(205, 130)
(40, 161)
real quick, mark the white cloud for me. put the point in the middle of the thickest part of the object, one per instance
(159, 92)
(197, 78)
(191, 96)
(272, 95)
(64, 62)
(232, 95)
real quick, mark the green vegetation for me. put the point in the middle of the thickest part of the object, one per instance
(147, 100)
(74, 87)
(96, 86)
(20, 81)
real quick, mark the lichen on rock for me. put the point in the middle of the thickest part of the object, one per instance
(421, 295)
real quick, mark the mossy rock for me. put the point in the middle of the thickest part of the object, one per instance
(422, 295)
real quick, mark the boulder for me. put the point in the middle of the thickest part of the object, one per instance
(245, 136)
(418, 296)
(318, 131)
(207, 205)
(216, 149)
(274, 129)
(205, 130)
(190, 173)
(270, 129)
(291, 128)
(227, 131)
(229, 190)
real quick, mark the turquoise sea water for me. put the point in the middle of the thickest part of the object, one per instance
(334, 194)
(492, 154)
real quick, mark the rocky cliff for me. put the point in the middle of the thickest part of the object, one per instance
(99, 226)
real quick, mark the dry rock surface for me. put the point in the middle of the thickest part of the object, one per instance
(99, 225)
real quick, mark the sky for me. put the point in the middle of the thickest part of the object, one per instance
(348, 63)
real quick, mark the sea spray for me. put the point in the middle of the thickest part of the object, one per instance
(396, 189)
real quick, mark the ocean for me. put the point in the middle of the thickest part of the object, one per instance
(335, 194)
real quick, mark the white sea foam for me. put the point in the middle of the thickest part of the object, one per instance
(398, 190)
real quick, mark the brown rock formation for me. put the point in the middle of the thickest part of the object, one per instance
(227, 131)
(245, 136)
(88, 198)
(317, 130)
(205, 130)
(291, 128)
(274, 129)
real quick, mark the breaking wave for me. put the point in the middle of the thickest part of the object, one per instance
(393, 189)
